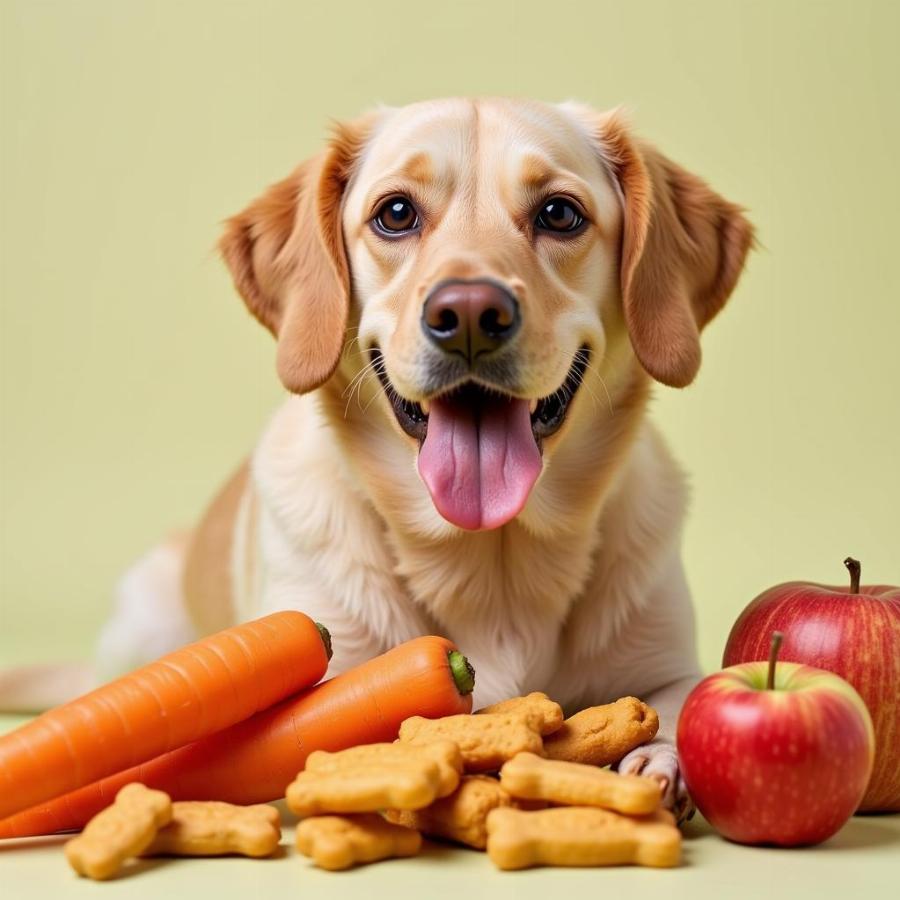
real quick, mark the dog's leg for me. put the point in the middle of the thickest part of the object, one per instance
(659, 758)
(661, 646)
(652, 656)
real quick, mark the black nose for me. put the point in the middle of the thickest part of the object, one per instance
(470, 317)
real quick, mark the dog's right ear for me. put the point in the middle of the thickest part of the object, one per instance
(286, 255)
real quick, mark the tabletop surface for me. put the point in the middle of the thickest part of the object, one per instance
(862, 860)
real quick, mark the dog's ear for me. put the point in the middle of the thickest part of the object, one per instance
(286, 255)
(683, 248)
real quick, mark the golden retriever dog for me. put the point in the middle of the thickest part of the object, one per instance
(471, 300)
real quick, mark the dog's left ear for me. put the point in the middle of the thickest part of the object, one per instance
(683, 248)
(286, 255)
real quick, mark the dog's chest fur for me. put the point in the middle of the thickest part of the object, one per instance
(529, 610)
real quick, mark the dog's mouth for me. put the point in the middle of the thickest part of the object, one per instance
(480, 448)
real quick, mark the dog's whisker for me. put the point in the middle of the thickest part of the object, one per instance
(352, 336)
(359, 388)
(365, 373)
(605, 391)
(348, 391)
(602, 384)
(353, 381)
(584, 358)
(375, 368)
(379, 369)
(594, 397)
(350, 342)
(356, 384)
(376, 395)
(358, 392)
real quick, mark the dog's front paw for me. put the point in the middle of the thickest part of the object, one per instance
(659, 760)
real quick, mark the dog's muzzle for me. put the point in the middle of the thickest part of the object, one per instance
(470, 318)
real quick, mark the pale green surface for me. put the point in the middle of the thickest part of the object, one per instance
(860, 861)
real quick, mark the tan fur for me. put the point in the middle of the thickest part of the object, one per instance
(208, 592)
(582, 595)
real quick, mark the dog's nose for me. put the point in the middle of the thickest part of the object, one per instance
(470, 317)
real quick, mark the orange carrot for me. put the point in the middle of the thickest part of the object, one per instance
(195, 691)
(255, 760)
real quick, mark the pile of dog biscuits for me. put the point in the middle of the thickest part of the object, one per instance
(514, 779)
(550, 802)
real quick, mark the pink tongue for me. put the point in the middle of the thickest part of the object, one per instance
(479, 464)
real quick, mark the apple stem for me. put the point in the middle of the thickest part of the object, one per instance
(777, 638)
(855, 569)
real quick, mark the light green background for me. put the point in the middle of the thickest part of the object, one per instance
(133, 380)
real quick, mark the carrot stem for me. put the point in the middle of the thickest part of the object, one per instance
(325, 634)
(463, 672)
(777, 638)
(854, 567)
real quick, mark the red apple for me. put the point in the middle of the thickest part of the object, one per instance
(853, 632)
(775, 754)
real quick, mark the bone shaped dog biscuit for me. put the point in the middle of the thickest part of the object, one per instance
(358, 789)
(546, 714)
(602, 735)
(531, 777)
(581, 836)
(120, 831)
(211, 828)
(339, 842)
(486, 740)
(445, 754)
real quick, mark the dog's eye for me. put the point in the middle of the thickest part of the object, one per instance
(396, 216)
(560, 215)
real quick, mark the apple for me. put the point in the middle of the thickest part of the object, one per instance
(775, 754)
(853, 632)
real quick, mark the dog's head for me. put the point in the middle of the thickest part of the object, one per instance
(492, 256)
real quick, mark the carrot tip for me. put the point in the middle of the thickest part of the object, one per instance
(463, 672)
(325, 634)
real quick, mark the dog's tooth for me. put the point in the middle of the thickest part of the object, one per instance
(425, 406)
(532, 406)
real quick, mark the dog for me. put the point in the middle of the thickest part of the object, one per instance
(472, 299)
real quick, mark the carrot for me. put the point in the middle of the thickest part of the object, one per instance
(183, 696)
(255, 760)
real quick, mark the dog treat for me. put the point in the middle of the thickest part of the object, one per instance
(460, 817)
(339, 842)
(211, 828)
(581, 836)
(602, 735)
(445, 754)
(486, 741)
(546, 713)
(575, 784)
(119, 832)
(354, 786)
